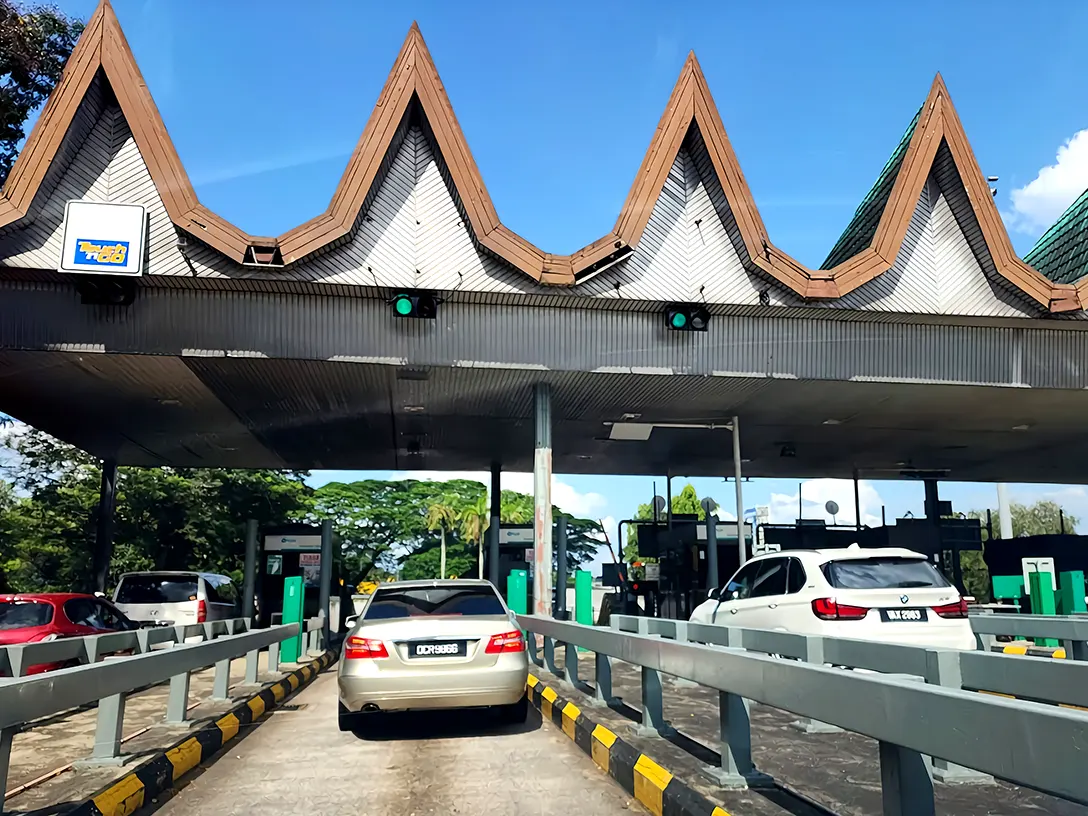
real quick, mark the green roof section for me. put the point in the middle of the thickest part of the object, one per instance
(1062, 253)
(862, 227)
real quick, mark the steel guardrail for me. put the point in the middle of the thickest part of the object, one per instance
(16, 659)
(1027, 743)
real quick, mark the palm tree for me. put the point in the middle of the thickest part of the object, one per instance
(442, 517)
(474, 522)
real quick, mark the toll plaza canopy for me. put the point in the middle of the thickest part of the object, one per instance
(922, 344)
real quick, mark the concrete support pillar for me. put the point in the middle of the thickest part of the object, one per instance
(742, 547)
(1004, 511)
(542, 496)
(326, 578)
(493, 530)
(249, 579)
(103, 544)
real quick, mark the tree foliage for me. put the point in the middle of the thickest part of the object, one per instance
(34, 45)
(194, 518)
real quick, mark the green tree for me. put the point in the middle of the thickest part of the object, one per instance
(441, 517)
(475, 519)
(34, 45)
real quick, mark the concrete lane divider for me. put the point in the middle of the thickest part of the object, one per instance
(161, 771)
(657, 789)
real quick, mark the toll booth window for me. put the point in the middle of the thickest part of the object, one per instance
(883, 573)
(389, 604)
(24, 614)
(154, 589)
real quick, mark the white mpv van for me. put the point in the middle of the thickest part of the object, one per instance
(165, 598)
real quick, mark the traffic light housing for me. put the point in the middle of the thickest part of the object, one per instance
(414, 303)
(687, 317)
(105, 290)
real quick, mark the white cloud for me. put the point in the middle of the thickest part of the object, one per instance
(815, 494)
(1040, 202)
(582, 505)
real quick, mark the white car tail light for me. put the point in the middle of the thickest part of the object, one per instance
(830, 609)
(506, 642)
(952, 610)
(358, 648)
(201, 611)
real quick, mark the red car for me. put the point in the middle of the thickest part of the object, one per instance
(39, 617)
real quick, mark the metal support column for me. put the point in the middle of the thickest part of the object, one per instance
(742, 546)
(542, 499)
(711, 551)
(107, 734)
(1004, 511)
(103, 544)
(6, 736)
(177, 704)
(496, 521)
(249, 576)
(561, 569)
(857, 501)
(905, 784)
(326, 579)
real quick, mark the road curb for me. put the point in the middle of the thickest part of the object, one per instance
(1053, 652)
(656, 788)
(161, 771)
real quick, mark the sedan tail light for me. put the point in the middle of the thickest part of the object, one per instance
(952, 610)
(506, 642)
(201, 611)
(359, 648)
(830, 609)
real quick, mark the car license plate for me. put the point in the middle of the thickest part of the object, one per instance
(897, 615)
(453, 648)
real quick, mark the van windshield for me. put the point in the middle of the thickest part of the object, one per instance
(883, 573)
(156, 589)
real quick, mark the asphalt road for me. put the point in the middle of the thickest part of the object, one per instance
(296, 761)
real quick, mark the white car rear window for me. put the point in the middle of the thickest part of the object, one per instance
(883, 573)
(156, 589)
(388, 604)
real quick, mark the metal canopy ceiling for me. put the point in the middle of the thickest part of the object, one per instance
(254, 412)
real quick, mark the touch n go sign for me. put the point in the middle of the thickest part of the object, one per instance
(103, 239)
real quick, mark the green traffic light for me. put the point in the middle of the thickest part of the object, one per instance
(679, 320)
(403, 306)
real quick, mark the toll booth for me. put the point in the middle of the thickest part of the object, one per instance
(515, 553)
(288, 551)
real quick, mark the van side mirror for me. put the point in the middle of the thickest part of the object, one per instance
(715, 594)
(351, 621)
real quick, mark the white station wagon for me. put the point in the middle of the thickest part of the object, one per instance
(888, 594)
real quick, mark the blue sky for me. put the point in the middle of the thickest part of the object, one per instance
(264, 100)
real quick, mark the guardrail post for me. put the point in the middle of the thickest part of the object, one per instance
(943, 669)
(814, 653)
(1076, 649)
(221, 684)
(653, 709)
(252, 661)
(570, 663)
(274, 657)
(603, 677)
(107, 734)
(906, 787)
(177, 704)
(6, 735)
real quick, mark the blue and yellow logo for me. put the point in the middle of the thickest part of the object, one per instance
(101, 253)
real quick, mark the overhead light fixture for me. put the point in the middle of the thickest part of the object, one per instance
(415, 303)
(630, 417)
(1020, 427)
(169, 401)
(687, 317)
(413, 409)
(832, 422)
(631, 431)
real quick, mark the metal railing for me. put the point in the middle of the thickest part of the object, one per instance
(1070, 630)
(24, 699)
(926, 730)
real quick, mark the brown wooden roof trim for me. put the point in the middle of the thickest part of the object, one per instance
(414, 80)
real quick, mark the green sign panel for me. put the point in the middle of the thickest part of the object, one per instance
(294, 592)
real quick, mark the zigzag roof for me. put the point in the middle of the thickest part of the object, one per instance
(864, 252)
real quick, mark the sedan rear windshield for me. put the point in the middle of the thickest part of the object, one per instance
(388, 604)
(24, 614)
(882, 573)
(156, 589)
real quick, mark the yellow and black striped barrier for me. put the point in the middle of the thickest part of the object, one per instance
(657, 789)
(1031, 650)
(159, 773)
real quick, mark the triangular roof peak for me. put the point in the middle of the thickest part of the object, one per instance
(414, 80)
